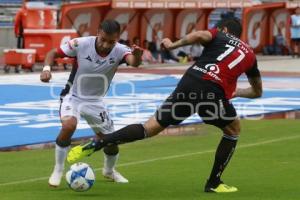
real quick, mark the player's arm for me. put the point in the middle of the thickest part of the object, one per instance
(202, 37)
(65, 50)
(49, 61)
(254, 78)
(134, 59)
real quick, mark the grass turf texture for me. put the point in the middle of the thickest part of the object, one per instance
(265, 166)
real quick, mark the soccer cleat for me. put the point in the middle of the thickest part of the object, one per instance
(221, 188)
(80, 151)
(114, 176)
(55, 178)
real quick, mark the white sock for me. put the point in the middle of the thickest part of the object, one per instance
(60, 157)
(110, 162)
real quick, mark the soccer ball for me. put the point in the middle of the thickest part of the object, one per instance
(80, 177)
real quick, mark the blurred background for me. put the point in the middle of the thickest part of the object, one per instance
(38, 26)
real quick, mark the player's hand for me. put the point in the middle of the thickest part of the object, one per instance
(45, 76)
(137, 51)
(167, 44)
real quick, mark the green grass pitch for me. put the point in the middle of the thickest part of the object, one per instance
(265, 167)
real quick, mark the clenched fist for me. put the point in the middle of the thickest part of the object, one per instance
(137, 51)
(167, 43)
(45, 76)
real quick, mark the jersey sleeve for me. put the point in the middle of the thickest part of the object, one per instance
(213, 32)
(125, 51)
(253, 71)
(70, 48)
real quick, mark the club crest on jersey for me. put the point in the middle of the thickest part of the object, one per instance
(112, 61)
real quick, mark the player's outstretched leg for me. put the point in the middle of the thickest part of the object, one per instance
(223, 155)
(127, 134)
(111, 155)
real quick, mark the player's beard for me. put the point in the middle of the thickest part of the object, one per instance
(104, 50)
(101, 49)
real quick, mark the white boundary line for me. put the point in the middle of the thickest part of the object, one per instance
(166, 158)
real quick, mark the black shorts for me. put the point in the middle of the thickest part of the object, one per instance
(195, 95)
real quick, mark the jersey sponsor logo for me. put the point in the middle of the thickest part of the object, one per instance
(99, 62)
(211, 70)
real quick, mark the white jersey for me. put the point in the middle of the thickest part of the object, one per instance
(94, 73)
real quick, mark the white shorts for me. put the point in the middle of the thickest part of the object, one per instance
(94, 112)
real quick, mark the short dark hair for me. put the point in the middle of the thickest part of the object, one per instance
(232, 24)
(135, 38)
(110, 26)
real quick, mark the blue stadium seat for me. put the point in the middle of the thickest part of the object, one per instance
(11, 2)
(6, 24)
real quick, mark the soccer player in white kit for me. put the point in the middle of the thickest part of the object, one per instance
(97, 59)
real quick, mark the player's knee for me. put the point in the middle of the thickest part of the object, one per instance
(233, 129)
(152, 127)
(66, 132)
(64, 138)
(111, 150)
(68, 127)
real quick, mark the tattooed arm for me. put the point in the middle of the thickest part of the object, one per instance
(201, 37)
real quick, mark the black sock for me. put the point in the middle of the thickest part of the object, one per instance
(127, 134)
(223, 155)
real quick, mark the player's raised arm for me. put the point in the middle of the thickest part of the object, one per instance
(254, 78)
(135, 58)
(202, 37)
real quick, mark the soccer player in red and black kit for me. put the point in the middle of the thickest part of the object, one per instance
(205, 88)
